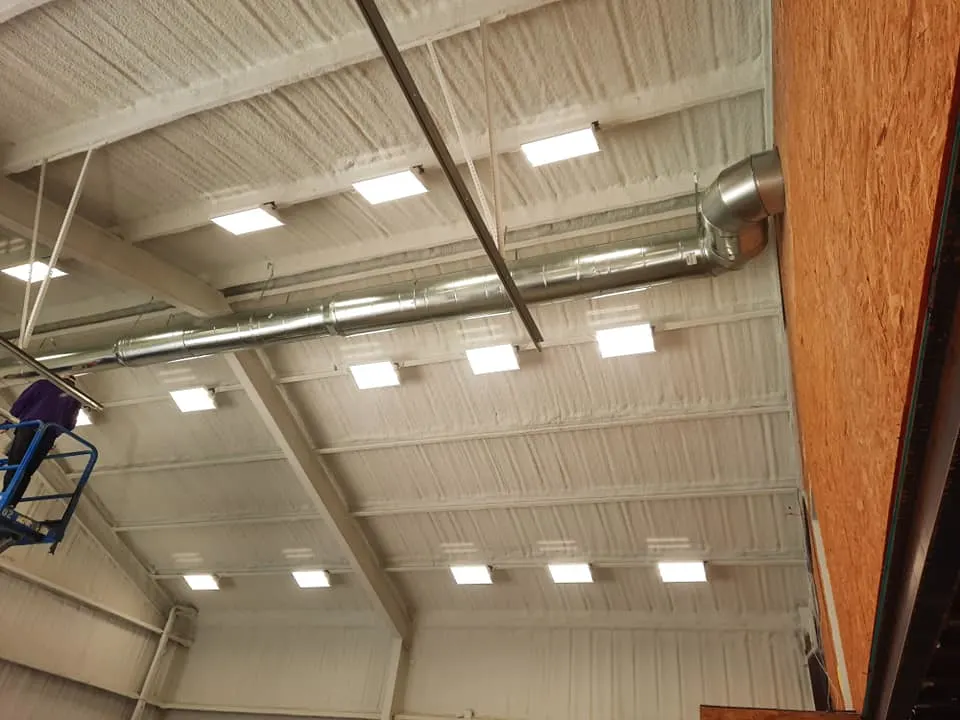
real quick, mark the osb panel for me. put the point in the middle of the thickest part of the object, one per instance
(710, 712)
(862, 93)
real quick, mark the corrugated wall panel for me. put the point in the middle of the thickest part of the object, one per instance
(209, 715)
(43, 631)
(575, 673)
(82, 566)
(63, 637)
(30, 695)
(291, 667)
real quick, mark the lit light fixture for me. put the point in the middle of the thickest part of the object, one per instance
(569, 573)
(493, 359)
(471, 574)
(312, 578)
(561, 147)
(628, 340)
(83, 418)
(682, 572)
(39, 272)
(202, 582)
(375, 375)
(194, 399)
(248, 221)
(390, 187)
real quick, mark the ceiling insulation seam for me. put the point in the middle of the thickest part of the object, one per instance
(778, 558)
(731, 233)
(743, 410)
(617, 494)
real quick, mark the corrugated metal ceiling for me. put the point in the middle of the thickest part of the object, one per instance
(570, 456)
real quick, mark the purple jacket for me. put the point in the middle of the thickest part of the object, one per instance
(45, 401)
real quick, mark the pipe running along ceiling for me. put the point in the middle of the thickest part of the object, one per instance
(731, 231)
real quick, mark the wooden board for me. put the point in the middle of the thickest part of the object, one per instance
(712, 712)
(862, 95)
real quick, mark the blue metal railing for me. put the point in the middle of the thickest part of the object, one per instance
(27, 530)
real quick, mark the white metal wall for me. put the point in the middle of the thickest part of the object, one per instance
(60, 657)
(33, 695)
(609, 674)
(325, 671)
(512, 673)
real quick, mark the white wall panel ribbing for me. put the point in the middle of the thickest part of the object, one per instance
(81, 565)
(90, 650)
(30, 695)
(284, 666)
(511, 673)
(561, 673)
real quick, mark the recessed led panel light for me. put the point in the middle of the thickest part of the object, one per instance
(390, 187)
(83, 418)
(202, 582)
(471, 574)
(561, 147)
(565, 573)
(682, 572)
(375, 375)
(629, 340)
(248, 221)
(39, 272)
(493, 359)
(312, 578)
(193, 399)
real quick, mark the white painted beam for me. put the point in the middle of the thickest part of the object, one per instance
(263, 712)
(96, 247)
(8, 568)
(317, 481)
(594, 496)
(774, 558)
(394, 680)
(654, 102)
(446, 19)
(6, 655)
(9, 9)
(748, 409)
(610, 620)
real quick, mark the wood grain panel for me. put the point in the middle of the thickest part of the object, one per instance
(713, 712)
(862, 95)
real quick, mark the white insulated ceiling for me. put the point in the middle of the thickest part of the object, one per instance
(203, 107)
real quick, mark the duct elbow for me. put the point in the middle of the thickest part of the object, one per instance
(736, 204)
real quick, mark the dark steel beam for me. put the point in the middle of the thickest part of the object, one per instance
(411, 92)
(45, 372)
(922, 563)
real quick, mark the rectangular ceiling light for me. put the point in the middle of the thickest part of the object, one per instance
(471, 574)
(682, 572)
(629, 340)
(193, 399)
(312, 578)
(39, 272)
(561, 147)
(83, 418)
(248, 221)
(493, 359)
(375, 375)
(202, 582)
(390, 187)
(568, 573)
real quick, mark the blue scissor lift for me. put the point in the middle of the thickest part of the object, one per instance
(16, 528)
